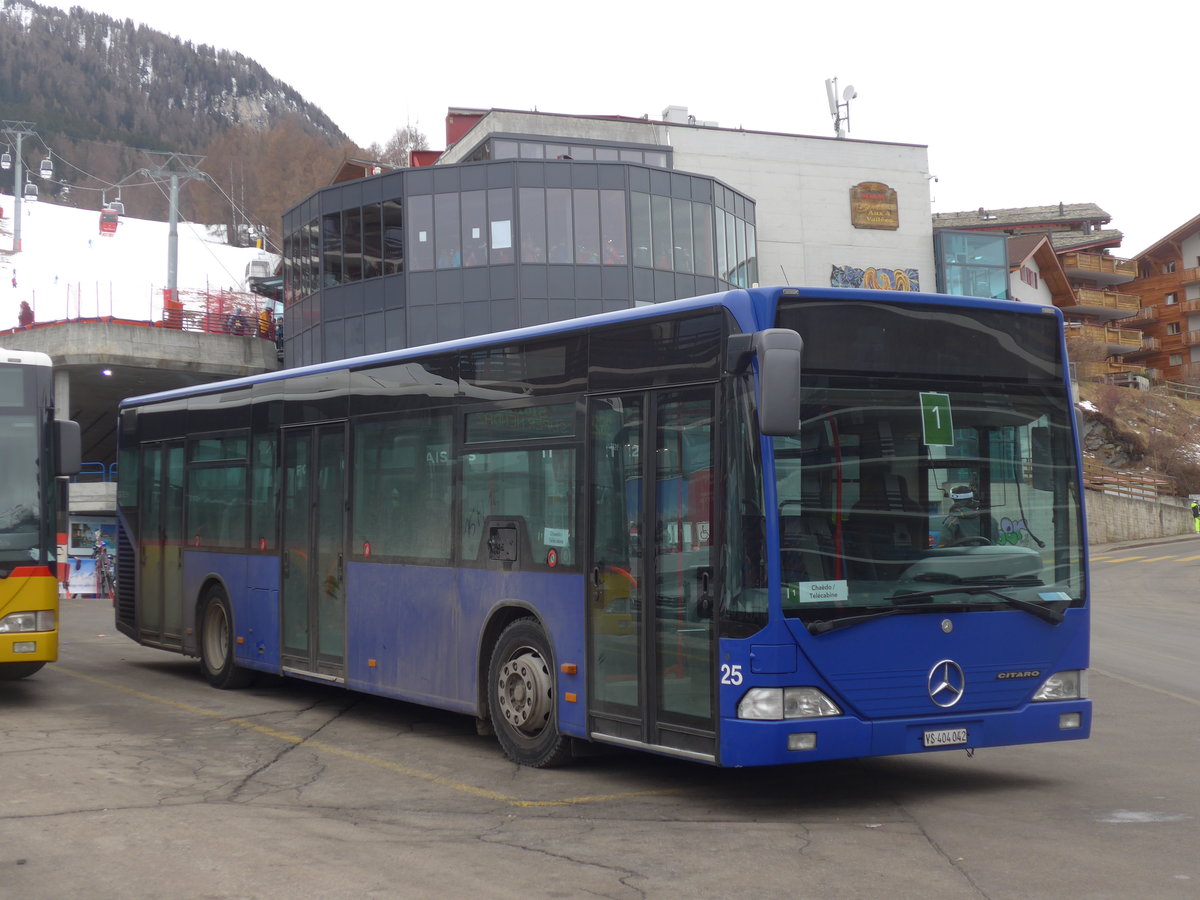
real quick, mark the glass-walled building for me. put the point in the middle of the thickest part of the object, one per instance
(531, 232)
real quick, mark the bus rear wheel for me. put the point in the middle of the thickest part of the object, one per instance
(216, 643)
(14, 671)
(521, 697)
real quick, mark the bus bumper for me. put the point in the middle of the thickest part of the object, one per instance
(34, 646)
(764, 743)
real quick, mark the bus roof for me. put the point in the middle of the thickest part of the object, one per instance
(749, 306)
(25, 357)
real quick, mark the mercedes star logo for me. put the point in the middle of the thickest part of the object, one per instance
(946, 683)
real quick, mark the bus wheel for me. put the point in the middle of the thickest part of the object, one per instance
(521, 697)
(13, 671)
(216, 643)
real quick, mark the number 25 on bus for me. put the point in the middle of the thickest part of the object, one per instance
(752, 528)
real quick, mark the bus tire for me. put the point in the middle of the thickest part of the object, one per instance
(14, 671)
(521, 697)
(216, 643)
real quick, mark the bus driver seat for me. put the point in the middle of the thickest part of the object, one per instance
(886, 530)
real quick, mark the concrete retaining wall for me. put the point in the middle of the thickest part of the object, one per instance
(1112, 518)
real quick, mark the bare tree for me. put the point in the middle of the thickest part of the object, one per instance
(398, 149)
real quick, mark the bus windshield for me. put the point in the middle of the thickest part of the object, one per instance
(20, 527)
(896, 496)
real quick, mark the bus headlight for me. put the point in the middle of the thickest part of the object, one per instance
(786, 703)
(22, 622)
(1068, 685)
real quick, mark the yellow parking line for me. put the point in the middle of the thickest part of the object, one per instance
(1125, 559)
(1189, 558)
(1158, 558)
(363, 757)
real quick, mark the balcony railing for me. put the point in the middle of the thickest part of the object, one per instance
(1098, 371)
(1149, 345)
(1099, 268)
(1130, 303)
(1102, 334)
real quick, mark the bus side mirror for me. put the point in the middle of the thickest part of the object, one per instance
(779, 351)
(69, 446)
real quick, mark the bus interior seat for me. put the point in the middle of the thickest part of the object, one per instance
(887, 530)
(807, 539)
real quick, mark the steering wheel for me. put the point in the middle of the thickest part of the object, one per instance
(973, 540)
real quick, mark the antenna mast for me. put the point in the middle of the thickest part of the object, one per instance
(840, 110)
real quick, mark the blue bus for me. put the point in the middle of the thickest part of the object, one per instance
(765, 526)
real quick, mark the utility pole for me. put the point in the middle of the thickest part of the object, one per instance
(17, 130)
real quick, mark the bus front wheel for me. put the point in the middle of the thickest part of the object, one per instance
(521, 697)
(216, 643)
(13, 671)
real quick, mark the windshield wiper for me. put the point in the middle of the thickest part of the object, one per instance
(919, 602)
(1045, 613)
(825, 625)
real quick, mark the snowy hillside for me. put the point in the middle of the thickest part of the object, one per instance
(66, 269)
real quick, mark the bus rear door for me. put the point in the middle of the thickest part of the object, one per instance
(314, 568)
(161, 540)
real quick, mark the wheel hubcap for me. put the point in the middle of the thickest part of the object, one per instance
(216, 635)
(524, 692)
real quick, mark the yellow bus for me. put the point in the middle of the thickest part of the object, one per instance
(35, 448)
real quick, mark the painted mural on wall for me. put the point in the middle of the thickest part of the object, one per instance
(875, 278)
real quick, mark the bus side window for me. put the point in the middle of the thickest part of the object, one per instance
(533, 486)
(402, 487)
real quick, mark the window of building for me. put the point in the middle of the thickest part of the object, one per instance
(558, 225)
(372, 241)
(393, 237)
(331, 244)
(474, 228)
(351, 245)
(1169, 267)
(1171, 299)
(660, 231)
(420, 232)
(500, 214)
(614, 243)
(1175, 359)
(702, 237)
(639, 215)
(447, 231)
(532, 207)
(587, 226)
(972, 264)
(1174, 328)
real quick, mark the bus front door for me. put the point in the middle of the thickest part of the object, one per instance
(313, 561)
(160, 546)
(650, 572)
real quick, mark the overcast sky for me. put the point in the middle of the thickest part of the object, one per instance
(1020, 103)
